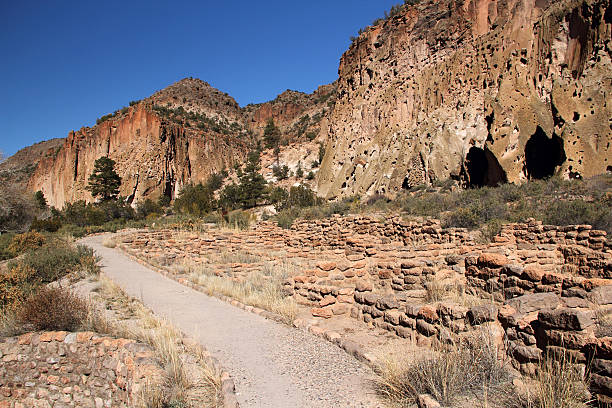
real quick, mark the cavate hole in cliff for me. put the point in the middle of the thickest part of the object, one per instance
(543, 155)
(483, 169)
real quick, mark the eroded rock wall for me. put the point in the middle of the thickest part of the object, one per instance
(485, 91)
(154, 157)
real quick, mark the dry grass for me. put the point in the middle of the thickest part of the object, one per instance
(470, 368)
(241, 257)
(603, 317)
(182, 385)
(438, 291)
(560, 383)
(262, 288)
(110, 242)
(475, 374)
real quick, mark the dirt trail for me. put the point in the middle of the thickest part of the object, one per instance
(271, 364)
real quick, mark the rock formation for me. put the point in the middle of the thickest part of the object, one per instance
(483, 91)
(181, 134)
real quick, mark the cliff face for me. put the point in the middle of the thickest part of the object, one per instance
(484, 91)
(156, 153)
(181, 134)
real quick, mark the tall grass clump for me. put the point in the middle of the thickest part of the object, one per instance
(262, 288)
(465, 369)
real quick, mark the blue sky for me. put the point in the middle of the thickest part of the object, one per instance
(65, 63)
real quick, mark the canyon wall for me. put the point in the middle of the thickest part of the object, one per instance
(179, 135)
(154, 157)
(482, 91)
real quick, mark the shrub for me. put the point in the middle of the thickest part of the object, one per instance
(49, 224)
(52, 262)
(54, 308)
(194, 200)
(286, 217)
(280, 172)
(16, 285)
(5, 240)
(301, 196)
(299, 173)
(562, 212)
(278, 196)
(148, 207)
(462, 218)
(25, 242)
(310, 176)
(239, 219)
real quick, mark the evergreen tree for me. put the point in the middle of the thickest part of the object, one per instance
(104, 182)
(41, 201)
(252, 183)
(272, 134)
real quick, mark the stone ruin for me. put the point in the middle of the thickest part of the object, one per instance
(61, 369)
(544, 288)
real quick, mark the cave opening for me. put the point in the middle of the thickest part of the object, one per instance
(169, 189)
(543, 155)
(483, 169)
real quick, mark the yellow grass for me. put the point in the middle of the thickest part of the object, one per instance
(262, 288)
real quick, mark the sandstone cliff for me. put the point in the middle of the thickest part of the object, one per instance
(482, 90)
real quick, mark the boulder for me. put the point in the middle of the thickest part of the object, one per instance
(533, 302)
(565, 319)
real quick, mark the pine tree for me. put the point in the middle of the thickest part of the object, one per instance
(104, 182)
(271, 135)
(252, 183)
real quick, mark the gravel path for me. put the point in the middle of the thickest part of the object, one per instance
(271, 364)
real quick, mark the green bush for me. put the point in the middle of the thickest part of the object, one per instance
(48, 225)
(462, 218)
(5, 241)
(301, 196)
(280, 172)
(278, 197)
(597, 213)
(148, 207)
(54, 261)
(195, 200)
(286, 217)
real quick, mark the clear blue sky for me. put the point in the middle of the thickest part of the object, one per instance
(65, 63)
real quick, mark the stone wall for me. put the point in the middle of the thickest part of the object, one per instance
(540, 288)
(60, 369)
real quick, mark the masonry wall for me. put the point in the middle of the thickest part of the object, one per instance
(60, 369)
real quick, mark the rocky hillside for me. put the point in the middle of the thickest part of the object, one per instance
(479, 90)
(19, 167)
(180, 134)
